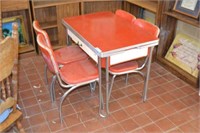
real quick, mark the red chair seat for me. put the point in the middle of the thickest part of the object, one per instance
(123, 67)
(69, 54)
(78, 72)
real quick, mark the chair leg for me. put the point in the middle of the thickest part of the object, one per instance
(19, 126)
(199, 83)
(45, 74)
(92, 86)
(62, 99)
(145, 90)
(111, 86)
(126, 79)
(52, 89)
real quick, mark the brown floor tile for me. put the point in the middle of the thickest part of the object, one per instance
(165, 124)
(87, 114)
(172, 105)
(115, 129)
(42, 128)
(186, 128)
(167, 97)
(72, 120)
(129, 125)
(80, 128)
(37, 119)
(114, 105)
(133, 110)
(142, 119)
(169, 77)
(120, 115)
(32, 110)
(30, 102)
(178, 83)
(152, 128)
(177, 105)
(135, 98)
(129, 90)
(125, 101)
(145, 106)
(154, 115)
(51, 115)
(93, 125)
(46, 106)
(178, 118)
(26, 94)
(107, 121)
(56, 125)
(156, 101)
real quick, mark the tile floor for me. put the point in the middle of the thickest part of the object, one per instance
(173, 106)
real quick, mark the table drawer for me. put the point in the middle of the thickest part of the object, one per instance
(83, 46)
(128, 55)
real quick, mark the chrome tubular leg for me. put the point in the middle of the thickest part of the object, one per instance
(45, 74)
(101, 105)
(69, 41)
(126, 79)
(111, 86)
(92, 86)
(52, 90)
(107, 86)
(101, 102)
(62, 99)
(146, 80)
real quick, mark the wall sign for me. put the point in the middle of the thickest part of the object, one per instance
(188, 7)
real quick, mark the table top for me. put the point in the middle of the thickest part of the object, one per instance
(108, 32)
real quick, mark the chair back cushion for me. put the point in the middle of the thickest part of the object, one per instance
(125, 15)
(39, 30)
(147, 26)
(47, 53)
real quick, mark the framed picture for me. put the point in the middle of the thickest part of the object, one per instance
(7, 28)
(184, 53)
(188, 7)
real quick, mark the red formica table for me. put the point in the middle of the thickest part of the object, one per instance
(106, 35)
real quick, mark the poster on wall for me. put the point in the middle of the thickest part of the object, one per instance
(7, 28)
(184, 53)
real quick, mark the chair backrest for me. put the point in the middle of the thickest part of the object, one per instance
(39, 30)
(147, 26)
(47, 52)
(125, 15)
(8, 64)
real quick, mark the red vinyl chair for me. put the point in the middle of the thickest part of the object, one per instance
(63, 55)
(125, 15)
(132, 66)
(73, 74)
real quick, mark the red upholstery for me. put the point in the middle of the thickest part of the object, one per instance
(47, 53)
(71, 73)
(125, 15)
(69, 54)
(63, 55)
(122, 67)
(147, 26)
(78, 72)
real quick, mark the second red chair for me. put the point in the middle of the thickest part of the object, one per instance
(63, 56)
